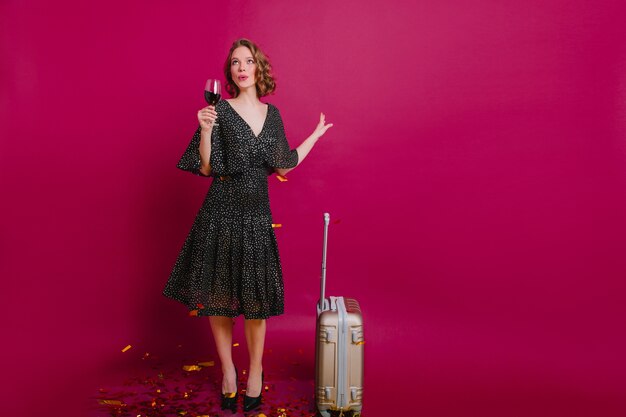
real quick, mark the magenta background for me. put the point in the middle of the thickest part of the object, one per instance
(477, 167)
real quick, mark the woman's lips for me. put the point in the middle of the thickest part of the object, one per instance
(243, 77)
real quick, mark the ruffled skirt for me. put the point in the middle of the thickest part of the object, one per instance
(229, 263)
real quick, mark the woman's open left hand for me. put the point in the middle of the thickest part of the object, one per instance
(322, 127)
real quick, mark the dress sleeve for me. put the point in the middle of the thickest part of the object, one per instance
(190, 160)
(279, 155)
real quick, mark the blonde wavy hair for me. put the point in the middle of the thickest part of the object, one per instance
(265, 83)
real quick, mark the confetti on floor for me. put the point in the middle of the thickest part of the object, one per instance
(157, 389)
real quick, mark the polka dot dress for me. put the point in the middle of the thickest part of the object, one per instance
(229, 263)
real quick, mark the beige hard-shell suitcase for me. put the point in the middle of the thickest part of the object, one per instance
(339, 351)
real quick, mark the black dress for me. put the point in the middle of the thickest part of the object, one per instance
(229, 263)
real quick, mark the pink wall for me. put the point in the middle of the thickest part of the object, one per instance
(477, 165)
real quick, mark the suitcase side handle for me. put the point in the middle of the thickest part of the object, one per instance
(323, 303)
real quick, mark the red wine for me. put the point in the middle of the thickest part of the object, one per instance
(211, 98)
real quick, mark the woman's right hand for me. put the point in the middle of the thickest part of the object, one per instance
(207, 117)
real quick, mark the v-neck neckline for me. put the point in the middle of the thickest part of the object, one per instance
(267, 114)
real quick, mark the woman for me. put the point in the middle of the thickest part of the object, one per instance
(229, 264)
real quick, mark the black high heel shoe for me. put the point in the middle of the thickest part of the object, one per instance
(229, 400)
(250, 403)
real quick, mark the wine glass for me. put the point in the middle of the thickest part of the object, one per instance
(212, 92)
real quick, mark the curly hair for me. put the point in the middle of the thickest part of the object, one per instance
(265, 83)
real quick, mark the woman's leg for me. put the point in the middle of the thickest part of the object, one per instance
(222, 328)
(255, 337)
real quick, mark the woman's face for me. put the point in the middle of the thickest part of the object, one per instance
(243, 68)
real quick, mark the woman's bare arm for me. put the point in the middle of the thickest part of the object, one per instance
(205, 151)
(206, 118)
(306, 146)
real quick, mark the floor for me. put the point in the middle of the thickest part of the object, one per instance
(188, 384)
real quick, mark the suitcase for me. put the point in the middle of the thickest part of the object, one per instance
(339, 351)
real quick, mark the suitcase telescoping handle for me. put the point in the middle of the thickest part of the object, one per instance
(323, 304)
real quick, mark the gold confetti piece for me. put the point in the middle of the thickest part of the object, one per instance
(209, 363)
(111, 402)
(261, 415)
(191, 368)
(126, 348)
(230, 395)
(360, 343)
(193, 313)
(276, 225)
(267, 388)
(186, 395)
(235, 344)
(182, 413)
(281, 178)
(244, 371)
